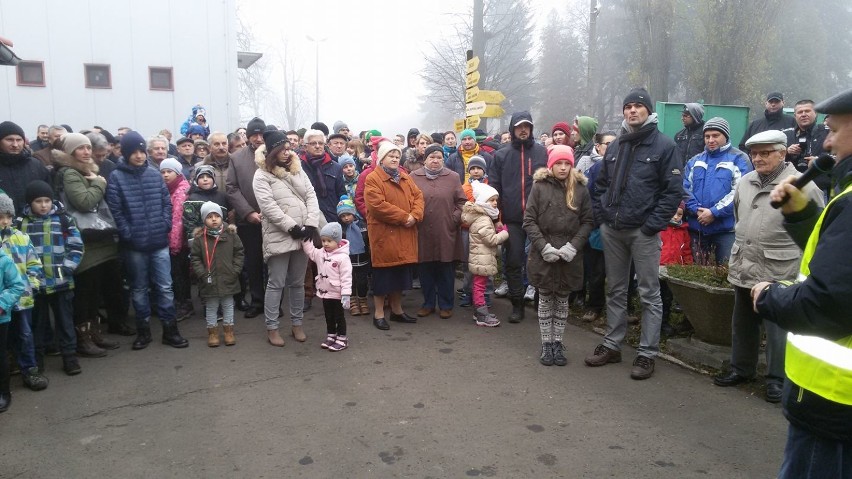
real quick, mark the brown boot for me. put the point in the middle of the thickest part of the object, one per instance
(213, 336)
(299, 334)
(99, 340)
(230, 340)
(85, 346)
(364, 305)
(355, 307)
(274, 338)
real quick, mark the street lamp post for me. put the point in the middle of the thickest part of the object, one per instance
(317, 41)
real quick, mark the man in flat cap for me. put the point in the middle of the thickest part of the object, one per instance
(815, 310)
(762, 250)
(773, 118)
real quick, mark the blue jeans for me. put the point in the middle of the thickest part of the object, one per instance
(151, 268)
(717, 245)
(21, 338)
(62, 305)
(809, 457)
(437, 279)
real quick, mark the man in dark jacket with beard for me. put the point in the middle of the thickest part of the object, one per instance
(511, 174)
(815, 309)
(637, 191)
(773, 119)
(17, 167)
(690, 140)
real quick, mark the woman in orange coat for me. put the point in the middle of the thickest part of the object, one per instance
(394, 207)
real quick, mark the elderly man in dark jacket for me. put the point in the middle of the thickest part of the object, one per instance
(636, 193)
(511, 174)
(326, 174)
(142, 209)
(239, 180)
(690, 140)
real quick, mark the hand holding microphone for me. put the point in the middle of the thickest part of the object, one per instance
(788, 194)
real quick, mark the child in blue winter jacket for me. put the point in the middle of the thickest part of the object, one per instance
(58, 244)
(11, 288)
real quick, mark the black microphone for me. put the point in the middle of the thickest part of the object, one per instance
(823, 164)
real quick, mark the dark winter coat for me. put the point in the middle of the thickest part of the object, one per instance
(438, 237)
(330, 173)
(456, 163)
(192, 207)
(690, 141)
(227, 262)
(649, 195)
(141, 206)
(815, 135)
(769, 121)
(818, 306)
(239, 181)
(511, 172)
(16, 171)
(549, 220)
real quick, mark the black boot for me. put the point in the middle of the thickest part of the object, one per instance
(171, 336)
(143, 337)
(546, 354)
(559, 358)
(70, 365)
(517, 310)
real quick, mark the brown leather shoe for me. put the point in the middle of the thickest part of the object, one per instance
(230, 339)
(274, 338)
(445, 313)
(299, 334)
(643, 368)
(355, 306)
(365, 306)
(422, 312)
(213, 337)
(603, 356)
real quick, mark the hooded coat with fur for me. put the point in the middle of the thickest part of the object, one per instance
(484, 239)
(84, 194)
(286, 199)
(228, 257)
(548, 219)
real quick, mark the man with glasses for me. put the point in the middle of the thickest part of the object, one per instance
(710, 180)
(326, 175)
(690, 140)
(773, 119)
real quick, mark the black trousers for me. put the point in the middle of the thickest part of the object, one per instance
(4, 359)
(335, 320)
(515, 258)
(251, 236)
(361, 275)
(180, 277)
(595, 269)
(101, 283)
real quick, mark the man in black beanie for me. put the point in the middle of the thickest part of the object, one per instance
(318, 125)
(17, 167)
(240, 191)
(636, 193)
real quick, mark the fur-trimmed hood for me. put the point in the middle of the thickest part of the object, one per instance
(278, 171)
(62, 159)
(542, 174)
(471, 211)
(199, 231)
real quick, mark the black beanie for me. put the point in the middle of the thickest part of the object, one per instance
(8, 128)
(37, 189)
(273, 139)
(67, 128)
(432, 149)
(639, 95)
(321, 127)
(255, 126)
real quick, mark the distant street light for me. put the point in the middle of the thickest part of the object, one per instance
(317, 41)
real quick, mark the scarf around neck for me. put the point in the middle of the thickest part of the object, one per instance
(393, 173)
(766, 180)
(432, 174)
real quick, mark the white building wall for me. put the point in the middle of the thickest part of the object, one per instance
(196, 38)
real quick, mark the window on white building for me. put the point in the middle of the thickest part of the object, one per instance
(98, 76)
(30, 73)
(161, 78)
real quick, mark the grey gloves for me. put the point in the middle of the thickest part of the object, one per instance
(550, 254)
(568, 252)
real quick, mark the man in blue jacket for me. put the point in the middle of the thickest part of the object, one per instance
(140, 204)
(636, 193)
(710, 180)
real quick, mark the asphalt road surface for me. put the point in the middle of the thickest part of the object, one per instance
(441, 398)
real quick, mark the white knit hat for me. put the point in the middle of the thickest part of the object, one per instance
(482, 192)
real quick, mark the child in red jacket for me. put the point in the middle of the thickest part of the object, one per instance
(676, 250)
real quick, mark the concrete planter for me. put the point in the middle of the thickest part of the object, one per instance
(709, 308)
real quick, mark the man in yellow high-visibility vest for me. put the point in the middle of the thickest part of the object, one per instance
(817, 311)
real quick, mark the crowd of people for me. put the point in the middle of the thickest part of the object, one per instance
(92, 221)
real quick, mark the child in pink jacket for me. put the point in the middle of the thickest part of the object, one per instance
(333, 282)
(172, 172)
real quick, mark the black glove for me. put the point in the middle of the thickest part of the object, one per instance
(296, 232)
(312, 234)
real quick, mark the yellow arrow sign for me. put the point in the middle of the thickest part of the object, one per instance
(472, 79)
(475, 108)
(472, 94)
(491, 96)
(473, 121)
(493, 111)
(472, 64)
(458, 125)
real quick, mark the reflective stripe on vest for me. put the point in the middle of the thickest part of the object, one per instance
(821, 366)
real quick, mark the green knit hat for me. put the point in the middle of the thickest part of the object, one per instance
(371, 134)
(465, 133)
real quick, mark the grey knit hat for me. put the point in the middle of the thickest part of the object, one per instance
(210, 207)
(204, 170)
(476, 160)
(719, 124)
(333, 231)
(6, 205)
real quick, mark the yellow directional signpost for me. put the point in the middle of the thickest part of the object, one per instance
(479, 104)
(458, 125)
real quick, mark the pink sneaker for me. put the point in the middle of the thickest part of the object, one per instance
(339, 344)
(329, 340)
